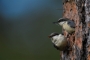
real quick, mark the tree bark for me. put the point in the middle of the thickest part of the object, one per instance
(79, 12)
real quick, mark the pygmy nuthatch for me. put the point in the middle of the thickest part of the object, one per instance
(59, 41)
(67, 24)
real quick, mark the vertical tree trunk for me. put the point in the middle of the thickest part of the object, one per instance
(79, 11)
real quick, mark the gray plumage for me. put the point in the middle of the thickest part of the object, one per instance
(71, 23)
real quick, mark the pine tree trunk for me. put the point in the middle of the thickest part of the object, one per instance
(79, 12)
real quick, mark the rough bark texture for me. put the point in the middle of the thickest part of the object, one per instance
(79, 12)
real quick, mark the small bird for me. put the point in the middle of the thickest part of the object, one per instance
(58, 40)
(67, 24)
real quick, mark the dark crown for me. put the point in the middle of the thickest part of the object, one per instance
(63, 19)
(53, 34)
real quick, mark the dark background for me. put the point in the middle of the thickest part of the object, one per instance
(24, 29)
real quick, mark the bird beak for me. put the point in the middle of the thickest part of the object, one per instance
(55, 22)
(49, 36)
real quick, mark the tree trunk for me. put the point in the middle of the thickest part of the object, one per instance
(79, 12)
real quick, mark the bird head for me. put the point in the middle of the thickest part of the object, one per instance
(53, 34)
(61, 21)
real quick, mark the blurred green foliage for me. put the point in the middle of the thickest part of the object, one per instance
(25, 37)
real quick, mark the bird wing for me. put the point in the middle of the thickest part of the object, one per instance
(71, 23)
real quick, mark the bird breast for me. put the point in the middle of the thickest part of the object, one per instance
(60, 41)
(68, 28)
